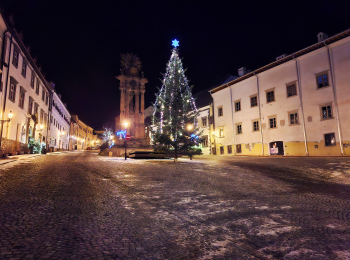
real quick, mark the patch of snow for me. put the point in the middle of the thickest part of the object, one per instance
(262, 207)
(343, 255)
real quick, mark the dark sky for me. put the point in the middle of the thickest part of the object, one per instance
(78, 43)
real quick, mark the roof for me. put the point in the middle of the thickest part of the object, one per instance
(203, 98)
(311, 48)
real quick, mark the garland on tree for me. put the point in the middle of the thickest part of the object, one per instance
(175, 112)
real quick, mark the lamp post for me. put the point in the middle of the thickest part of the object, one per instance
(126, 125)
(10, 115)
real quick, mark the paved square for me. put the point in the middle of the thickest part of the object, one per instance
(79, 205)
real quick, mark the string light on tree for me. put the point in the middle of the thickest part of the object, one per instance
(174, 108)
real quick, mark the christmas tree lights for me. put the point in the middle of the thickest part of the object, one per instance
(174, 109)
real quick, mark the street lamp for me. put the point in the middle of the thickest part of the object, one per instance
(189, 127)
(126, 126)
(10, 115)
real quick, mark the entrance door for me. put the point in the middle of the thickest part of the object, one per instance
(277, 148)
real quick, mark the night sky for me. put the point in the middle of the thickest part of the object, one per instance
(78, 43)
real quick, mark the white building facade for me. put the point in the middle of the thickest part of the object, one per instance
(295, 106)
(24, 92)
(60, 124)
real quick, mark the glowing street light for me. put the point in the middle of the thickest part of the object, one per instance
(10, 115)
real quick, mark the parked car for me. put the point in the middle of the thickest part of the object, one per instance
(89, 148)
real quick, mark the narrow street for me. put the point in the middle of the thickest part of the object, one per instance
(78, 205)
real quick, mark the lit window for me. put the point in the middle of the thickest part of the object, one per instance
(329, 139)
(221, 132)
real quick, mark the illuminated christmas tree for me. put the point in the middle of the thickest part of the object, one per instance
(174, 119)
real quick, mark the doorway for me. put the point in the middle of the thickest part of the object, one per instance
(277, 148)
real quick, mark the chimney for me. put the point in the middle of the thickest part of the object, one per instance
(321, 36)
(242, 71)
(281, 56)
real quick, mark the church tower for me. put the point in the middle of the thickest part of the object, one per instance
(132, 96)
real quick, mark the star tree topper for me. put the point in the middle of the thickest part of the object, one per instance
(175, 43)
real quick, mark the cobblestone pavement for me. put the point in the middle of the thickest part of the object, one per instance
(80, 205)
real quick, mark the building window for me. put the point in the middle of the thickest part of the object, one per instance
(12, 92)
(221, 131)
(32, 79)
(272, 121)
(204, 122)
(291, 90)
(238, 106)
(43, 94)
(15, 57)
(255, 125)
(47, 98)
(293, 118)
(253, 101)
(205, 141)
(222, 150)
(322, 80)
(37, 86)
(238, 148)
(270, 96)
(239, 128)
(326, 111)
(21, 98)
(24, 68)
(329, 139)
(41, 116)
(220, 111)
(229, 149)
(30, 106)
(36, 108)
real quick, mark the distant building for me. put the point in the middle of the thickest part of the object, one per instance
(295, 106)
(82, 135)
(60, 124)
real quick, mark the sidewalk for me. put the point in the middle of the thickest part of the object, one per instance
(17, 157)
(24, 156)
